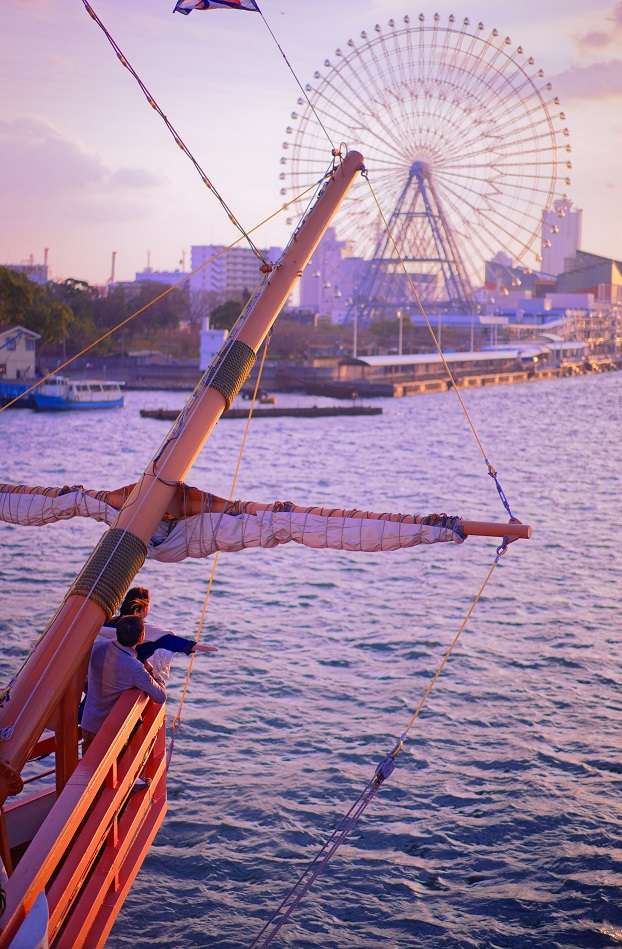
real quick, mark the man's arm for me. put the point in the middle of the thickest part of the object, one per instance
(147, 683)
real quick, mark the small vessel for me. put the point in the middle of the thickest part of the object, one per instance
(61, 394)
(14, 389)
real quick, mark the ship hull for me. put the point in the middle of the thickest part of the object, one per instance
(50, 403)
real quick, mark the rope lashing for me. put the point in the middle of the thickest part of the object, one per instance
(176, 136)
(383, 771)
(506, 541)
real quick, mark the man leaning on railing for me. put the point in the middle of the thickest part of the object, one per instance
(113, 668)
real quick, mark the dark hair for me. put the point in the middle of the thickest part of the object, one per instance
(129, 630)
(132, 607)
(135, 593)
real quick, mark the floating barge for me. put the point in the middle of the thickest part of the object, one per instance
(313, 411)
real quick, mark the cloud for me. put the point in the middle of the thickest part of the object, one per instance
(597, 39)
(39, 161)
(597, 81)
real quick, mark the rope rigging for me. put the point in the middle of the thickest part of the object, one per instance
(350, 820)
(298, 82)
(385, 768)
(388, 763)
(176, 720)
(176, 136)
(160, 296)
(454, 385)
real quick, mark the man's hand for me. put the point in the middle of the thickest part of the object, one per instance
(203, 647)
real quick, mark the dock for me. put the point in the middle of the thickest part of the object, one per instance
(313, 411)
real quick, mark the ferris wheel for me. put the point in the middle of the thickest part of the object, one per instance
(457, 124)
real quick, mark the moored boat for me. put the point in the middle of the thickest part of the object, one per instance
(12, 390)
(61, 394)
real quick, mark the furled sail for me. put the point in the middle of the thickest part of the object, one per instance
(232, 526)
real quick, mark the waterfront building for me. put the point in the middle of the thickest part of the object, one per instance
(211, 343)
(18, 353)
(592, 273)
(549, 352)
(169, 277)
(561, 235)
(226, 274)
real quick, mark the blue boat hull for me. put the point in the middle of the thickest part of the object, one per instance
(11, 390)
(52, 403)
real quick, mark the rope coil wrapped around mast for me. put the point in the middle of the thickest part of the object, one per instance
(109, 571)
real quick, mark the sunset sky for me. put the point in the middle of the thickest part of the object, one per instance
(87, 166)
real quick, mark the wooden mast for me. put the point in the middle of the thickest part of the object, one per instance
(36, 696)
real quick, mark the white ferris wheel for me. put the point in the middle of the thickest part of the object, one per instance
(464, 140)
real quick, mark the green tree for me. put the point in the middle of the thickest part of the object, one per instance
(121, 301)
(80, 297)
(25, 303)
(224, 316)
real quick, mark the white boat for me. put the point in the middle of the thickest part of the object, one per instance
(61, 394)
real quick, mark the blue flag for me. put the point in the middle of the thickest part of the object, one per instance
(187, 6)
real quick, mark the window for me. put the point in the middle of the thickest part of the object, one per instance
(11, 343)
(30, 345)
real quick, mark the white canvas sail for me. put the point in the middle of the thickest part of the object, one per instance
(201, 535)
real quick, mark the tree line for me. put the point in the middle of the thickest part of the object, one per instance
(70, 314)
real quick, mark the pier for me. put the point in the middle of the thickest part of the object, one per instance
(313, 411)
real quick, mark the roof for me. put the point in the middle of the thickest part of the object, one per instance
(19, 331)
(420, 359)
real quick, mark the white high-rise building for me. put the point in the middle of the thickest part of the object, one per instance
(211, 343)
(561, 235)
(230, 272)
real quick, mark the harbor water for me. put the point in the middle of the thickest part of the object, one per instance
(501, 825)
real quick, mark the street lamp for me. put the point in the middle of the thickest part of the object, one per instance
(400, 343)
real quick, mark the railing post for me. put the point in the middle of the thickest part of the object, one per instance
(67, 733)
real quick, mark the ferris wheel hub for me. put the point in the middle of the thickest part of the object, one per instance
(420, 169)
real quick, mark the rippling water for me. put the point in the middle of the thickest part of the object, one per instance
(501, 824)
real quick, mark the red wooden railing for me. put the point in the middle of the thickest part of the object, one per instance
(89, 848)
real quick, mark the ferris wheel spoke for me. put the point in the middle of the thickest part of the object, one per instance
(483, 204)
(498, 226)
(363, 100)
(467, 103)
(388, 88)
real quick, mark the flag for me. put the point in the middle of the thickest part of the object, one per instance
(187, 6)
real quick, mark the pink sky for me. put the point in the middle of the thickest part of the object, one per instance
(88, 167)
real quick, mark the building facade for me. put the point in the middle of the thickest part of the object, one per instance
(561, 235)
(331, 277)
(18, 353)
(211, 343)
(169, 277)
(226, 274)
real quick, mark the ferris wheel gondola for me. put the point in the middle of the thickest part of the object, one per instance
(455, 110)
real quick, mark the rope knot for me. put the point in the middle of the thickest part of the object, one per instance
(266, 267)
(384, 770)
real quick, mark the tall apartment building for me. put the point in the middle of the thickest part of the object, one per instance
(230, 272)
(561, 235)
(330, 277)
